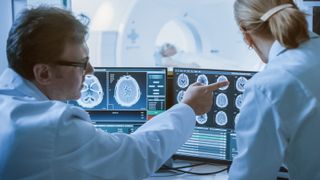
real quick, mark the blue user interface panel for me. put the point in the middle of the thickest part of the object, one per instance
(214, 137)
(122, 99)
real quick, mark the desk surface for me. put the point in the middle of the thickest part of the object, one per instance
(164, 175)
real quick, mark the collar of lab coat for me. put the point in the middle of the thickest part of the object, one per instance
(12, 80)
(277, 48)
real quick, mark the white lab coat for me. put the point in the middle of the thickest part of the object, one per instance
(45, 139)
(280, 118)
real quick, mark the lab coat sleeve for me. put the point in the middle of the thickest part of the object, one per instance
(259, 150)
(92, 153)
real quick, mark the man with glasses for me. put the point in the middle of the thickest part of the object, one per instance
(41, 137)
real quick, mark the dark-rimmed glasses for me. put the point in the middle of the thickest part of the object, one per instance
(82, 65)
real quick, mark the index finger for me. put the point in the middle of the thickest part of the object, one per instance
(217, 85)
(196, 84)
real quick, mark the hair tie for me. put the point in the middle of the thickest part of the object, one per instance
(274, 10)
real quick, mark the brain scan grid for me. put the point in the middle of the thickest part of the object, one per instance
(227, 101)
(214, 135)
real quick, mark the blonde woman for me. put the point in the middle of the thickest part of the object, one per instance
(280, 117)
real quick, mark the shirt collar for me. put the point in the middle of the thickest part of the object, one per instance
(313, 35)
(277, 48)
(12, 80)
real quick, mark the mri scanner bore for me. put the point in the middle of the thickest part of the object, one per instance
(179, 33)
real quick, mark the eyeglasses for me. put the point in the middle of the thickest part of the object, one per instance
(82, 65)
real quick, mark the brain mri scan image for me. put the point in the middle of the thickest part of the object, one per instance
(202, 119)
(222, 100)
(203, 79)
(241, 83)
(183, 80)
(239, 100)
(218, 124)
(221, 118)
(127, 91)
(91, 93)
(220, 79)
(180, 95)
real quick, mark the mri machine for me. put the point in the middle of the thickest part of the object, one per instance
(205, 30)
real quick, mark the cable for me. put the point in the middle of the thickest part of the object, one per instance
(200, 174)
(164, 167)
(196, 173)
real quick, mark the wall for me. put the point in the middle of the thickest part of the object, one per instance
(6, 21)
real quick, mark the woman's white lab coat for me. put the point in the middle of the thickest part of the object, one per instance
(279, 120)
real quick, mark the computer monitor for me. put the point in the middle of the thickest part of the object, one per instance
(311, 2)
(214, 138)
(121, 99)
(316, 19)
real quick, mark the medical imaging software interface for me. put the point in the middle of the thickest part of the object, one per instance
(214, 137)
(122, 99)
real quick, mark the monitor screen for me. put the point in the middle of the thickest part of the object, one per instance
(214, 138)
(121, 99)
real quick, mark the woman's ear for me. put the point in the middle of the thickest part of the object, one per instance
(42, 73)
(248, 39)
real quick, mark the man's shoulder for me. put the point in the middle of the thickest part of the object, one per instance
(72, 111)
(48, 110)
(64, 111)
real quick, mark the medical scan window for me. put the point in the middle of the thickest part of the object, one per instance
(214, 138)
(129, 96)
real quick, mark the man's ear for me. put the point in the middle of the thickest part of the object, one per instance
(42, 73)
